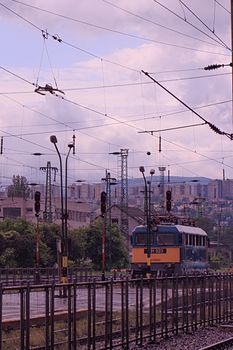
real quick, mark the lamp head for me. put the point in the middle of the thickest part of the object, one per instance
(53, 139)
(70, 145)
(142, 169)
(115, 153)
(37, 154)
(152, 171)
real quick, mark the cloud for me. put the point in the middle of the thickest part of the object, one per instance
(108, 100)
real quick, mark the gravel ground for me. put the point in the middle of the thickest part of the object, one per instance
(190, 341)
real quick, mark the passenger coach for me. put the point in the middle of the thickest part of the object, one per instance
(174, 249)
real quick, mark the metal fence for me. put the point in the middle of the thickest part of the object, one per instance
(17, 276)
(48, 275)
(113, 313)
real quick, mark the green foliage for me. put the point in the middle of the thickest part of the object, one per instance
(7, 258)
(19, 187)
(218, 261)
(25, 251)
(206, 224)
(77, 246)
(49, 234)
(116, 253)
(18, 245)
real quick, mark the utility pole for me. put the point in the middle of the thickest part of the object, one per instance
(47, 214)
(108, 217)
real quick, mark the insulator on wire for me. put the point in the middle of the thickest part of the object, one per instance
(1, 145)
(215, 128)
(74, 143)
(213, 66)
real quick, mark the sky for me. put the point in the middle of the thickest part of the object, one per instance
(95, 53)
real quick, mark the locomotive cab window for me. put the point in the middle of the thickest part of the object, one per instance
(204, 241)
(140, 239)
(166, 238)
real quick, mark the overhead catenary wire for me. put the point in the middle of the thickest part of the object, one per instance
(214, 66)
(104, 28)
(182, 8)
(204, 24)
(132, 126)
(221, 5)
(58, 39)
(157, 24)
(171, 129)
(214, 16)
(70, 125)
(192, 25)
(173, 143)
(92, 110)
(119, 85)
(110, 29)
(212, 126)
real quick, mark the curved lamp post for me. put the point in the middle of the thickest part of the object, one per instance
(147, 193)
(64, 213)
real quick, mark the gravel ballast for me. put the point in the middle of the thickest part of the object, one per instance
(191, 341)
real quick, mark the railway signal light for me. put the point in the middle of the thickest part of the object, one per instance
(103, 198)
(168, 200)
(37, 202)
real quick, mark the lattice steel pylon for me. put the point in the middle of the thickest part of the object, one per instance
(124, 194)
(47, 214)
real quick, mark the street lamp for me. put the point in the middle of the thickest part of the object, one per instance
(70, 146)
(147, 194)
(64, 213)
(152, 171)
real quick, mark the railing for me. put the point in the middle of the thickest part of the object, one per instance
(17, 276)
(112, 313)
(48, 275)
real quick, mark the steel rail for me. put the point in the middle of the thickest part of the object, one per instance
(223, 344)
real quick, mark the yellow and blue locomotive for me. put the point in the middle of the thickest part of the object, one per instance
(174, 249)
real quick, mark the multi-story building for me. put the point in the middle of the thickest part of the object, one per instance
(79, 213)
(84, 198)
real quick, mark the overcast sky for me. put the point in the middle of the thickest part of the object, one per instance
(94, 51)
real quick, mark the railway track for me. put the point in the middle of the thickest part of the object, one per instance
(223, 344)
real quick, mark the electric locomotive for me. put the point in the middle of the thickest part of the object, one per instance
(173, 249)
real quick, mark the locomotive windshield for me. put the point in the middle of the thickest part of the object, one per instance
(166, 239)
(140, 238)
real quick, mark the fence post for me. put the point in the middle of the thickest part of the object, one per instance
(22, 311)
(1, 300)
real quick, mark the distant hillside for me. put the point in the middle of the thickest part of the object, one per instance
(173, 179)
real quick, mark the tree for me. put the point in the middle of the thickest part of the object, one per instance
(18, 245)
(206, 224)
(49, 234)
(77, 246)
(19, 188)
(7, 258)
(118, 251)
